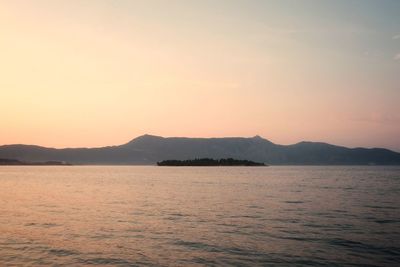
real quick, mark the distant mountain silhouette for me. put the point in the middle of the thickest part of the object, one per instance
(149, 149)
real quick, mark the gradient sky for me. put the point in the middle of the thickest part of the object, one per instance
(95, 73)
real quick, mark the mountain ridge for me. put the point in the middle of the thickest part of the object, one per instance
(149, 149)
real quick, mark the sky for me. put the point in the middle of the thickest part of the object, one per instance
(95, 73)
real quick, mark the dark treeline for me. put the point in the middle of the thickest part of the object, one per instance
(209, 162)
(44, 163)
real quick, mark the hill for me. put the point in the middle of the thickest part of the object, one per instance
(149, 149)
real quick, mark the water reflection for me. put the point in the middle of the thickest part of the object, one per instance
(199, 216)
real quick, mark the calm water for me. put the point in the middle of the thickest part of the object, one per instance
(169, 216)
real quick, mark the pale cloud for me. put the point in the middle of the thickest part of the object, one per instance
(397, 57)
(395, 37)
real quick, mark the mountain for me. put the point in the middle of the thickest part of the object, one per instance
(149, 149)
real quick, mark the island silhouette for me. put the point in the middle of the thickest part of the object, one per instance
(150, 149)
(209, 162)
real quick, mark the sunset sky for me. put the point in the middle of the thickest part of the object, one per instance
(96, 73)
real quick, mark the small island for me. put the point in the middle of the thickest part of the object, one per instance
(209, 162)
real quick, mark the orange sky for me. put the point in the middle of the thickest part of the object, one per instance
(98, 73)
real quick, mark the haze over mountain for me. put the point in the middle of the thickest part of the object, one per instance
(148, 149)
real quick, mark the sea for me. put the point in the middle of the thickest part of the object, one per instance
(199, 216)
